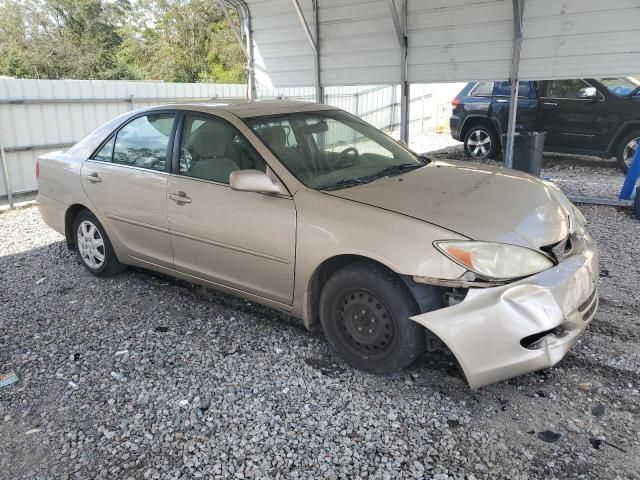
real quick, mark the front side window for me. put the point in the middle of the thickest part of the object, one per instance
(482, 89)
(565, 88)
(211, 149)
(144, 142)
(332, 149)
(622, 87)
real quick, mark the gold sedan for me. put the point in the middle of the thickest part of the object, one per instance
(308, 209)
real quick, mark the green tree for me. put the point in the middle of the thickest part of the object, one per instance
(170, 40)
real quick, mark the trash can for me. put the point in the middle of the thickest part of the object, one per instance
(528, 147)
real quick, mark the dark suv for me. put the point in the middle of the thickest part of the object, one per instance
(591, 116)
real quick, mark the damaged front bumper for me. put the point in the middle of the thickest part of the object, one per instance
(501, 332)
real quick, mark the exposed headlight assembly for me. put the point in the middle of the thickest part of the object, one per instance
(494, 261)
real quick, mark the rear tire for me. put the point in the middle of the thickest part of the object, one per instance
(364, 311)
(481, 143)
(94, 247)
(625, 151)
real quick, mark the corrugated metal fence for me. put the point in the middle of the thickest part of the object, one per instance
(37, 116)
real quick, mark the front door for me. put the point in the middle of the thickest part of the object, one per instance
(572, 122)
(242, 240)
(126, 182)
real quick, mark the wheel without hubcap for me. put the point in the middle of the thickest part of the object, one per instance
(366, 325)
(365, 313)
(630, 151)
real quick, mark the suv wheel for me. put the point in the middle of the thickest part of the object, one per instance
(364, 311)
(481, 143)
(626, 150)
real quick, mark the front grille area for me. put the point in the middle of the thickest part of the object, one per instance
(559, 250)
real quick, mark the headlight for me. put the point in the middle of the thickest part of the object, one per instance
(494, 261)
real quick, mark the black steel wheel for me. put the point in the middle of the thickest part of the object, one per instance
(364, 311)
(367, 326)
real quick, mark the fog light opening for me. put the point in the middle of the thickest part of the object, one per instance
(536, 341)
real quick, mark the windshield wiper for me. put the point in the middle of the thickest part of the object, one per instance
(344, 183)
(391, 171)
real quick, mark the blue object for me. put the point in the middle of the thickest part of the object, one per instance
(632, 176)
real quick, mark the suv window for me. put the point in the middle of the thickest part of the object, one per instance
(621, 87)
(564, 88)
(482, 89)
(212, 148)
(143, 142)
(503, 89)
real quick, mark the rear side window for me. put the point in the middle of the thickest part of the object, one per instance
(144, 142)
(105, 154)
(503, 89)
(482, 89)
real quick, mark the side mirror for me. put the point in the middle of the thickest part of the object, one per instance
(252, 181)
(588, 92)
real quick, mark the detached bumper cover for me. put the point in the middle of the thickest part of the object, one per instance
(484, 331)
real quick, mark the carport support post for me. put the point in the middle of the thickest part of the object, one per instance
(5, 172)
(314, 42)
(400, 23)
(247, 44)
(518, 7)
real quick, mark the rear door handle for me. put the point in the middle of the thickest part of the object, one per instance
(502, 100)
(180, 198)
(94, 177)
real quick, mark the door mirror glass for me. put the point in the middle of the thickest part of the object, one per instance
(252, 181)
(588, 92)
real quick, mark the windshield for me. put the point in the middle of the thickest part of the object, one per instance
(332, 149)
(622, 86)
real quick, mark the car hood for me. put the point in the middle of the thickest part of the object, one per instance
(481, 203)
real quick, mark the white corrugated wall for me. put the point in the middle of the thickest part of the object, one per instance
(40, 115)
(449, 40)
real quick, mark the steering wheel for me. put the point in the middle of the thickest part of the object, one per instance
(342, 158)
(635, 91)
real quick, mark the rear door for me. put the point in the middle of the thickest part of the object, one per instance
(242, 240)
(571, 122)
(527, 114)
(126, 182)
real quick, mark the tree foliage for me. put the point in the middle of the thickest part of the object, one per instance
(170, 40)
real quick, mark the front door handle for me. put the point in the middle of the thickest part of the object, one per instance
(94, 177)
(549, 105)
(180, 198)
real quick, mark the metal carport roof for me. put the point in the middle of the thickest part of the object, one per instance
(353, 42)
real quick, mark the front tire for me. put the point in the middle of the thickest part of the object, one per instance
(481, 143)
(94, 247)
(626, 150)
(364, 311)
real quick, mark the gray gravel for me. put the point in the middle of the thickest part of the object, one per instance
(234, 390)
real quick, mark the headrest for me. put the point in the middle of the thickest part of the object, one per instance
(275, 136)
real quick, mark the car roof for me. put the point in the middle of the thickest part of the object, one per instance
(249, 108)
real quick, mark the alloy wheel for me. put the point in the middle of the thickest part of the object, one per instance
(365, 324)
(479, 143)
(90, 245)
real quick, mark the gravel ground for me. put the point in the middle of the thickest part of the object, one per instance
(140, 376)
